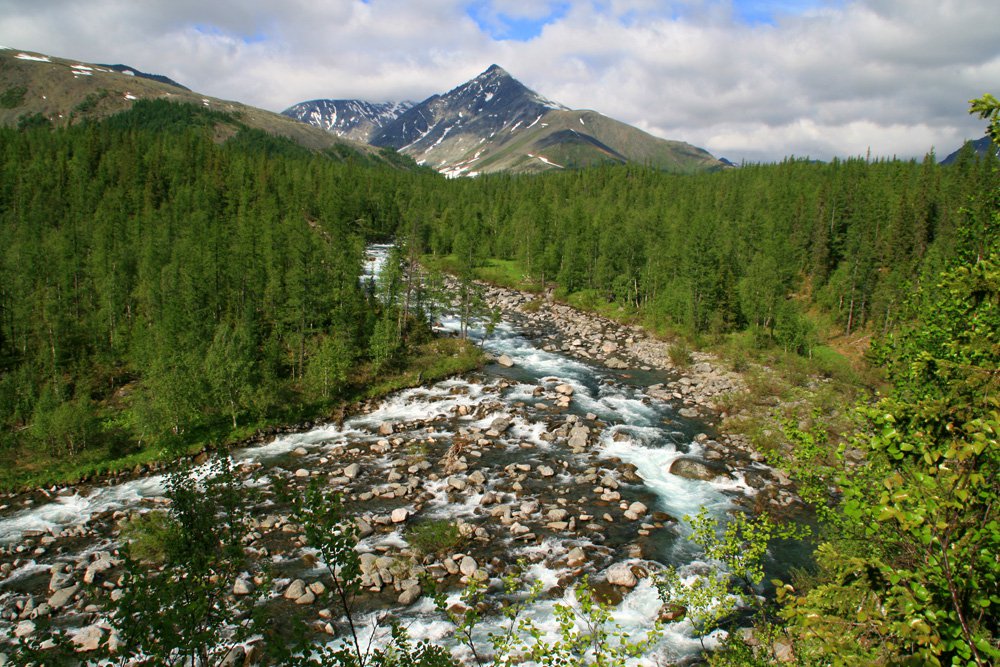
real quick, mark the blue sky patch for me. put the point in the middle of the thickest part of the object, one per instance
(766, 11)
(500, 26)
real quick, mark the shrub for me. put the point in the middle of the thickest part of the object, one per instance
(680, 354)
(435, 536)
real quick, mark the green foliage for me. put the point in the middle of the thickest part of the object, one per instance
(434, 536)
(35, 121)
(908, 570)
(706, 600)
(90, 102)
(13, 97)
(586, 635)
(987, 107)
(328, 366)
(182, 611)
(334, 535)
(679, 353)
(149, 536)
(709, 599)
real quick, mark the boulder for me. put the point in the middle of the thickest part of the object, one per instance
(576, 557)
(564, 389)
(505, 361)
(352, 470)
(99, 566)
(24, 629)
(295, 590)
(620, 574)
(410, 595)
(236, 657)
(691, 468)
(88, 638)
(672, 612)
(468, 566)
(242, 586)
(63, 596)
(386, 428)
(400, 515)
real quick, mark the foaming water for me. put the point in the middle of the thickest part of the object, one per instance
(75, 510)
(645, 433)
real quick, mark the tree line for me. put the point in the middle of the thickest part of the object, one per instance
(749, 248)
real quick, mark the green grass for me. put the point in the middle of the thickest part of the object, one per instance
(501, 272)
(434, 536)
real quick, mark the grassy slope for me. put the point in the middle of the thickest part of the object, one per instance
(61, 93)
(624, 140)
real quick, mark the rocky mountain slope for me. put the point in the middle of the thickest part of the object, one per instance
(69, 91)
(351, 119)
(980, 147)
(495, 123)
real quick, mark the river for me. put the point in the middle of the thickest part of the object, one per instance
(633, 439)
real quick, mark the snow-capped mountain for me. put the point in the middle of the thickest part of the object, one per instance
(351, 119)
(496, 123)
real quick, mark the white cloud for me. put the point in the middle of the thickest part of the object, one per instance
(836, 79)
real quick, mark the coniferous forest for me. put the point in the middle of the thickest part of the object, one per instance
(168, 277)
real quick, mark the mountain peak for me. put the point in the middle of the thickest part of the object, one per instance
(495, 70)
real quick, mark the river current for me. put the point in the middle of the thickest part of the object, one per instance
(635, 429)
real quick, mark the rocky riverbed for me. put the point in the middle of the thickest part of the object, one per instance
(578, 451)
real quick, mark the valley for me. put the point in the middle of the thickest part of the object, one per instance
(575, 465)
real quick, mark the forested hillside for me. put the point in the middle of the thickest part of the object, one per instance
(156, 282)
(752, 247)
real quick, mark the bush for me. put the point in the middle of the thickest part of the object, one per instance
(13, 97)
(435, 536)
(680, 354)
(149, 535)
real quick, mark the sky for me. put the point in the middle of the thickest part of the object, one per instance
(749, 80)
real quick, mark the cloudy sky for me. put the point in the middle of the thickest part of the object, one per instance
(746, 79)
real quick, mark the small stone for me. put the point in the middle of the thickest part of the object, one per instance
(399, 515)
(352, 471)
(301, 472)
(306, 598)
(242, 587)
(564, 389)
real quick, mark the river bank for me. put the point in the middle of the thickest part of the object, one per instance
(578, 462)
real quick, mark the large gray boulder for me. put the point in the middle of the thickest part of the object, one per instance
(691, 468)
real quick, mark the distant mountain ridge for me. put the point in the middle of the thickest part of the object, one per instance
(351, 119)
(131, 71)
(981, 147)
(66, 91)
(495, 123)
